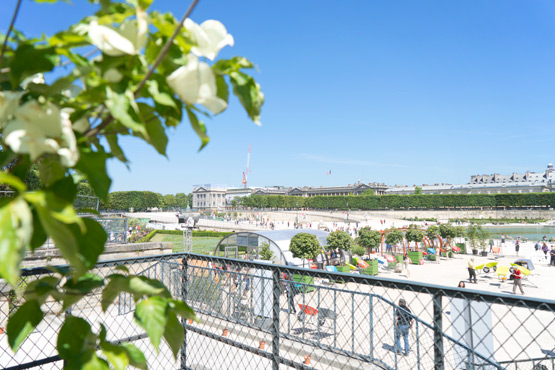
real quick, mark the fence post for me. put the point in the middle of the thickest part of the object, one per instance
(275, 321)
(438, 332)
(183, 354)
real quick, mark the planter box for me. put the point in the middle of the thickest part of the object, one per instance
(391, 265)
(372, 269)
(399, 258)
(346, 269)
(415, 257)
(484, 253)
(306, 280)
(431, 257)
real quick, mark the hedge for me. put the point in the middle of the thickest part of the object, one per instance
(196, 233)
(414, 201)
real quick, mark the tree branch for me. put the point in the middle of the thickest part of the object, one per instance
(5, 44)
(159, 58)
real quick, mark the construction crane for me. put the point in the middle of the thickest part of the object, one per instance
(246, 171)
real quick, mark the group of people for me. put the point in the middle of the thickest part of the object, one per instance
(516, 276)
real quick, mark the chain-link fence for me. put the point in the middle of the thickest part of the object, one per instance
(258, 316)
(115, 228)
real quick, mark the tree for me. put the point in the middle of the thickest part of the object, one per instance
(146, 74)
(339, 240)
(265, 252)
(190, 200)
(414, 234)
(368, 238)
(417, 190)
(181, 200)
(393, 236)
(483, 236)
(432, 233)
(472, 235)
(368, 193)
(448, 232)
(305, 246)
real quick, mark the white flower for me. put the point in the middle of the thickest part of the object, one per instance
(211, 36)
(196, 83)
(9, 101)
(69, 155)
(129, 38)
(36, 130)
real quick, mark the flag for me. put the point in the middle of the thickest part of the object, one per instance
(328, 173)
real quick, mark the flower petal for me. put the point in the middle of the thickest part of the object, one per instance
(109, 41)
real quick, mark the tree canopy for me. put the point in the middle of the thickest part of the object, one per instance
(305, 246)
(339, 240)
(368, 238)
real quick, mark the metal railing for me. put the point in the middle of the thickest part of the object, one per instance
(257, 315)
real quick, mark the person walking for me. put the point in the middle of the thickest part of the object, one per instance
(403, 322)
(491, 245)
(437, 254)
(406, 261)
(291, 291)
(545, 249)
(517, 280)
(517, 246)
(472, 271)
(552, 254)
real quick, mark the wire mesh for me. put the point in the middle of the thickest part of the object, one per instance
(255, 315)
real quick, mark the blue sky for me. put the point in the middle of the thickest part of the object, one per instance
(400, 92)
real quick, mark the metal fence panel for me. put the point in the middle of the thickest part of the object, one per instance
(261, 316)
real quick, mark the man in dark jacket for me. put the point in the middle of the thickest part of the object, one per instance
(403, 322)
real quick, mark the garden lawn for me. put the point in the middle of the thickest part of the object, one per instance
(201, 245)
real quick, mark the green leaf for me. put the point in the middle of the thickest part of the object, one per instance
(95, 363)
(157, 135)
(141, 286)
(14, 182)
(117, 284)
(151, 315)
(75, 290)
(124, 109)
(249, 94)
(115, 148)
(39, 236)
(135, 356)
(50, 170)
(40, 289)
(17, 230)
(23, 322)
(222, 88)
(161, 97)
(174, 333)
(115, 354)
(183, 310)
(199, 128)
(91, 242)
(30, 59)
(93, 165)
(122, 268)
(226, 66)
(76, 342)
(65, 189)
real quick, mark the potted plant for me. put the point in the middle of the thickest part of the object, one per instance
(483, 236)
(305, 246)
(447, 232)
(340, 240)
(472, 235)
(369, 239)
(414, 234)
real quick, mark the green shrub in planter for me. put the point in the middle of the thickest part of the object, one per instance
(415, 257)
(306, 280)
(462, 246)
(391, 265)
(343, 269)
(399, 258)
(431, 257)
(451, 254)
